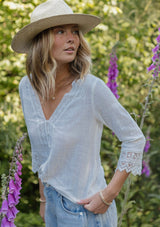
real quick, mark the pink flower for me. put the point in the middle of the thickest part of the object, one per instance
(155, 57)
(19, 165)
(10, 216)
(19, 168)
(4, 207)
(146, 169)
(8, 210)
(5, 222)
(20, 157)
(14, 211)
(158, 39)
(155, 66)
(147, 146)
(113, 73)
(18, 180)
(151, 67)
(16, 197)
(12, 186)
(154, 50)
(11, 200)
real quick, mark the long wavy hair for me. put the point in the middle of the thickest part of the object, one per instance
(41, 66)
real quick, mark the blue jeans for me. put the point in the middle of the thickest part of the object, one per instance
(61, 212)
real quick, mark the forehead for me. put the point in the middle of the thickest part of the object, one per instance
(67, 26)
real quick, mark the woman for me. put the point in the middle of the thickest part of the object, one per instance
(65, 109)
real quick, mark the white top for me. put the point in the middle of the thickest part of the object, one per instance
(66, 148)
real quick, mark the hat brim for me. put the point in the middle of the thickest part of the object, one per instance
(23, 39)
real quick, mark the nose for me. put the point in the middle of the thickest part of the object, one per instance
(70, 37)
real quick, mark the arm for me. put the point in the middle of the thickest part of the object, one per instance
(42, 198)
(108, 111)
(115, 185)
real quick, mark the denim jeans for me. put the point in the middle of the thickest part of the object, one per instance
(61, 212)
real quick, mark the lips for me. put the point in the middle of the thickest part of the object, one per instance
(70, 49)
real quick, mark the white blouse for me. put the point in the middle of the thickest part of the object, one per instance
(66, 148)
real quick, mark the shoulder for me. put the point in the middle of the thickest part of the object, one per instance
(23, 82)
(95, 83)
(24, 87)
(90, 80)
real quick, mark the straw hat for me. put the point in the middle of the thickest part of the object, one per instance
(50, 14)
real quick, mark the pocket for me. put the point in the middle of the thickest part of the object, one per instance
(70, 207)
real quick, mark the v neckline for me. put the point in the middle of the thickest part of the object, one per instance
(62, 104)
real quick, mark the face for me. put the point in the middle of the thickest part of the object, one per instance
(66, 43)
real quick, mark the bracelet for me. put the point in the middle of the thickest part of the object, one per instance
(102, 198)
(42, 201)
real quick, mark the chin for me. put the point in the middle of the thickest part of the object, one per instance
(67, 61)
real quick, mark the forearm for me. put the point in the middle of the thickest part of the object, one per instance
(115, 185)
(41, 190)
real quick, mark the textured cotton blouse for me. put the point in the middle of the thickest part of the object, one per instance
(66, 148)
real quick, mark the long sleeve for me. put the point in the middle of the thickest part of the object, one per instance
(111, 113)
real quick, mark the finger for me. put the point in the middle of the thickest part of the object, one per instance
(84, 201)
(91, 209)
(88, 207)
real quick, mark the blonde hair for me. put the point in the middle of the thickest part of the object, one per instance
(41, 66)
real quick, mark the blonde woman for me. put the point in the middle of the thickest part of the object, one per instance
(65, 108)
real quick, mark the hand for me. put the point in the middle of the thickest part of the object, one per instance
(42, 211)
(94, 204)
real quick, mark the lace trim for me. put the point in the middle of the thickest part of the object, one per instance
(131, 162)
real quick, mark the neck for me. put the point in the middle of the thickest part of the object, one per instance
(63, 76)
(62, 73)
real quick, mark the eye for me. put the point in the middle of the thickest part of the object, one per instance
(60, 31)
(76, 32)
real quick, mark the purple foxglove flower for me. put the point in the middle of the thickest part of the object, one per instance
(155, 57)
(18, 180)
(11, 200)
(154, 50)
(12, 225)
(19, 172)
(14, 211)
(12, 186)
(18, 189)
(5, 222)
(17, 192)
(10, 216)
(20, 157)
(158, 39)
(4, 207)
(146, 169)
(151, 67)
(147, 146)
(155, 66)
(113, 73)
(17, 197)
(19, 168)
(19, 165)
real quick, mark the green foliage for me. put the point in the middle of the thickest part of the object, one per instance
(134, 25)
(31, 220)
